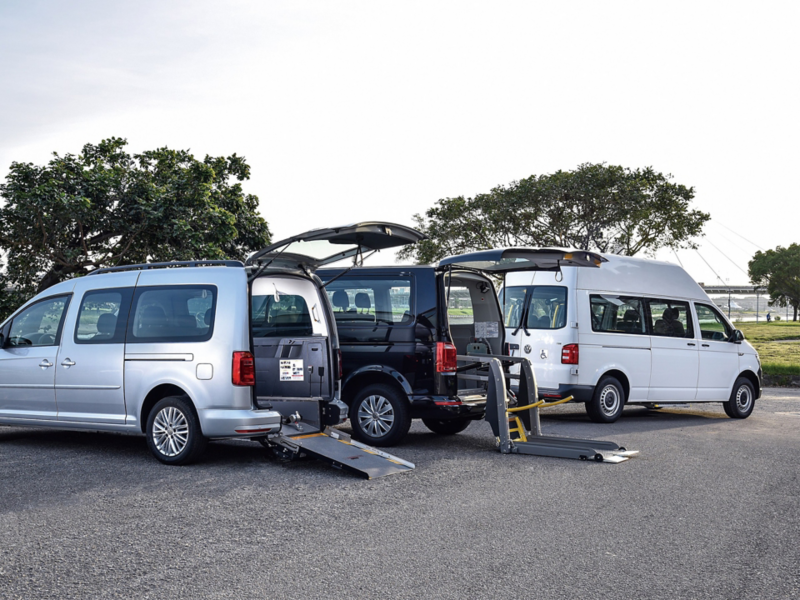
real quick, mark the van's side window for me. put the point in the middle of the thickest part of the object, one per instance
(712, 324)
(180, 313)
(546, 306)
(40, 324)
(671, 318)
(280, 315)
(617, 314)
(370, 301)
(102, 316)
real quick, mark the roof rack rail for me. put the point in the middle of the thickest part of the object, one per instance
(172, 264)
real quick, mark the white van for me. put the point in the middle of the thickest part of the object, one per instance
(634, 331)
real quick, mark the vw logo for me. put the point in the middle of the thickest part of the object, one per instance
(543, 355)
(527, 349)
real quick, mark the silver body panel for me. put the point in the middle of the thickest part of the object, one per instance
(106, 386)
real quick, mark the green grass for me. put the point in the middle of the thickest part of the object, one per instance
(777, 358)
(767, 332)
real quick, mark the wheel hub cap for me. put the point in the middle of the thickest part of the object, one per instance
(609, 400)
(375, 415)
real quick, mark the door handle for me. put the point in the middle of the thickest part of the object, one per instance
(705, 345)
(45, 363)
(67, 363)
(691, 344)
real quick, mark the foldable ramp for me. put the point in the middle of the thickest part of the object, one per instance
(341, 452)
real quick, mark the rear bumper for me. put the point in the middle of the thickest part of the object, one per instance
(446, 407)
(579, 393)
(226, 423)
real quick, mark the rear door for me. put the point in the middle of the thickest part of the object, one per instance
(673, 350)
(89, 374)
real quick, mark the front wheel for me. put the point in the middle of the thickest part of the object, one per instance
(742, 400)
(608, 400)
(173, 432)
(379, 415)
(447, 426)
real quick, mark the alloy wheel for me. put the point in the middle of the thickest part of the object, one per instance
(170, 431)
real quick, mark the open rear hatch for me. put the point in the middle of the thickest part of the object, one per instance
(482, 332)
(320, 247)
(293, 372)
(505, 260)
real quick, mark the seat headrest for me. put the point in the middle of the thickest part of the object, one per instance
(107, 323)
(362, 300)
(340, 299)
(153, 315)
(669, 314)
(631, 315)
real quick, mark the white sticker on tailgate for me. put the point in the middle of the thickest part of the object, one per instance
(292, 370)
(487, 329)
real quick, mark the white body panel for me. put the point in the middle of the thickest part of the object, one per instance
(657, 368)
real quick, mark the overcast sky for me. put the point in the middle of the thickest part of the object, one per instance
(362, 110)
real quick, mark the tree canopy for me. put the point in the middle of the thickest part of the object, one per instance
(595, 207)
(778, 271)
(105, 207)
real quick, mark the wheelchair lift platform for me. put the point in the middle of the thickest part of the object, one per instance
(523, 413)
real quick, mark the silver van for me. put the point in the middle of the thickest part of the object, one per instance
(185, 352)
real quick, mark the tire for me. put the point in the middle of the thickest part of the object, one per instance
(173, 431)
(607, 402)
(742, 400)
(447, 426)
(379, 415)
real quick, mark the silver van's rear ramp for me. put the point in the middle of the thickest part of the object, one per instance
(341, 452)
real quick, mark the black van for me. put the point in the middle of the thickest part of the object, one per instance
(401, 328)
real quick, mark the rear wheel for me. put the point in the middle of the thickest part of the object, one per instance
(608, 400)
(173, 431)
(742, 400)
(379, 415)
(447, 426)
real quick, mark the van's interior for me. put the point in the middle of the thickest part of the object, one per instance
(472, 313)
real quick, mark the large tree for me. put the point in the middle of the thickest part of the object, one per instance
(779, 271)
(105, 207)
(595, 207)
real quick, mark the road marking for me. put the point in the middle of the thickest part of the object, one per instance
(789, 414)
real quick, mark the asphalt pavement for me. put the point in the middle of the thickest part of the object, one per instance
(709, 509)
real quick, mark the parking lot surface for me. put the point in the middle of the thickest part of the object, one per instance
(710, 509)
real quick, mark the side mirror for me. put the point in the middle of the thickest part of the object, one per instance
(737, 337)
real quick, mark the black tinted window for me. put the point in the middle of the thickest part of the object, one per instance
(102, 316)
(371, 300)
(39, 324)
(287, 315)
(182, 313)
(670, 318)
(618, 314)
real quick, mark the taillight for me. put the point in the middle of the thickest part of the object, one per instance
(244, 369)
(339, 366)
(445, 357)
(569, 354)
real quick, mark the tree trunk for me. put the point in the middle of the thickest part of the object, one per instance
(55, 275)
